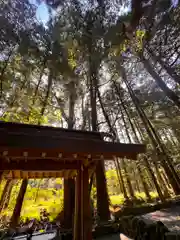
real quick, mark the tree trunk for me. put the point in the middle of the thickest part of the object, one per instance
(69, 202)
(131, 192)
(125, 126)
(154, 179)
(102, 206)
(111, 129)
(145, 186)
(69, 184)
(169, 93)
(4, 70)
(50, 80)
(3, 195)
(122, 180)
(39, 82)
(93, 95)
(159, 148)
(72, 98)
(36, 197)
(168, 69)
(8, 194)
(161, 181)
(17, 210)
(166, 179)
(126, 111)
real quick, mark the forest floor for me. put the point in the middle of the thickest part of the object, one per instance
(114, 237)
(170, 217)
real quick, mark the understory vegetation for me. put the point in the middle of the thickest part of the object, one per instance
(48, 194)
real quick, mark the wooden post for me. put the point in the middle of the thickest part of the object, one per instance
(82, 220)
(1, 173)
(17, 210)
(102, 194)
(77, 215)
(69, 199)
(85, 205)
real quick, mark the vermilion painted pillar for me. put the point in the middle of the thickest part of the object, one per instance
(17, 210)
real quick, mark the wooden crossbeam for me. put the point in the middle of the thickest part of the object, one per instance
(38, 165)
(47, 131)
(17, 174)
(31, 144)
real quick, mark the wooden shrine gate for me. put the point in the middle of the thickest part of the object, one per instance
(29, 151)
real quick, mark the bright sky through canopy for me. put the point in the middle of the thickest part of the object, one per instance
(42, 11)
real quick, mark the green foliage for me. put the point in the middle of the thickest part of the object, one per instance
(140, 34)
(33, 117)
(36, 199)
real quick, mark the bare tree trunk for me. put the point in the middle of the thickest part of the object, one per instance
(166, 179)
(4, 70)
(37, 191)
(39, 82)
(161, 181)
(137, 186)
(102, 206)
(169, 139)
(3, 195)
(111, 129)
(172, 175)
(145, 186)
(122, 180)
(154, 179)
(169, 93)
(168, 69)
(126, 111)
(69, 184)
(8, 195)
(50, 80)
(17, 210)
(131, 192)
